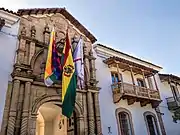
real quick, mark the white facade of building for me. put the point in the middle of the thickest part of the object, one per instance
(168, 95)
(108, 108)
(8, 43)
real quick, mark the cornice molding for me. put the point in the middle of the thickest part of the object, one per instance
(9, 18)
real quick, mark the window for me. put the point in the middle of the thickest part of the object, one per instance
(151, 123)
(140, 82)
(124, 122)
(115, 78)
(150, 82)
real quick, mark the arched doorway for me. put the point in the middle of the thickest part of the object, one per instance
(51, 122)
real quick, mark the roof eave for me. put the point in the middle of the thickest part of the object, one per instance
(111, 49)
(65, 13)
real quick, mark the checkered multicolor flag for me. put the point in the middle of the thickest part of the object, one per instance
(53, 69)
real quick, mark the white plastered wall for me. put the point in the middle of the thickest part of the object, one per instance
(107, 106)
(8, 44)
(170, 127)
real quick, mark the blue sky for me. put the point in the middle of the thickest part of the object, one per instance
(147, 29)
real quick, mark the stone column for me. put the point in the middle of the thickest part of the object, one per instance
(19, 109)
(92, 66)
(85, 114)
(31, 45)
(46, 41)
(80, 125)
(21, 48)
(32, 127)
(13, 108)
(97, 114)
(25, 114)
(6, 110)
(91, 114)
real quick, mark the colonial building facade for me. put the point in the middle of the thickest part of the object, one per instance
(129, 95)
(32, 108)
(170, 105)
(123, 95)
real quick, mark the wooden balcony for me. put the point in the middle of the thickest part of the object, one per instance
(135, 93)
(174, 106)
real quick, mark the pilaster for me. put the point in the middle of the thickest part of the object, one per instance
(80, 125)
(32, 44)
(32, 126)
(19, 109)
(25, 113)
(91, 119)
(13, 108)
(85, 114)
(6, 110)
(21, 48)
(46, 41)
(97, 114)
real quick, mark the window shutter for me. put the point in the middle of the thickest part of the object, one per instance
(150, 82)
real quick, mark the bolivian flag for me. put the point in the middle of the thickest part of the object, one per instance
(68, 80)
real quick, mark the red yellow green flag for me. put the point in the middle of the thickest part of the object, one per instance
(68, 80)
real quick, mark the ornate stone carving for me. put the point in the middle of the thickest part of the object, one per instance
(23, 31)
(30, 64)
(33, 31)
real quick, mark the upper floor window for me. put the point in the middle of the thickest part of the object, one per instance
(140, 82)
(115, 77)
(151, 123)
(124, 122)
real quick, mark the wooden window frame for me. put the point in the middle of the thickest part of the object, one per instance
(119, 76)
(155, 119)
(119, 110)
(150, 83)
(144, 83)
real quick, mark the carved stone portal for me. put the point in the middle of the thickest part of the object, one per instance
(27, 94)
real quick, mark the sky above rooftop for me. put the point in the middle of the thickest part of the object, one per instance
(147, 29)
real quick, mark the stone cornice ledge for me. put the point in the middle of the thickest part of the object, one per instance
(9, 18)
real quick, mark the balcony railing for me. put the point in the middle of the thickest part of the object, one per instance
(174, 106)
(173, 103)
(126, 89)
